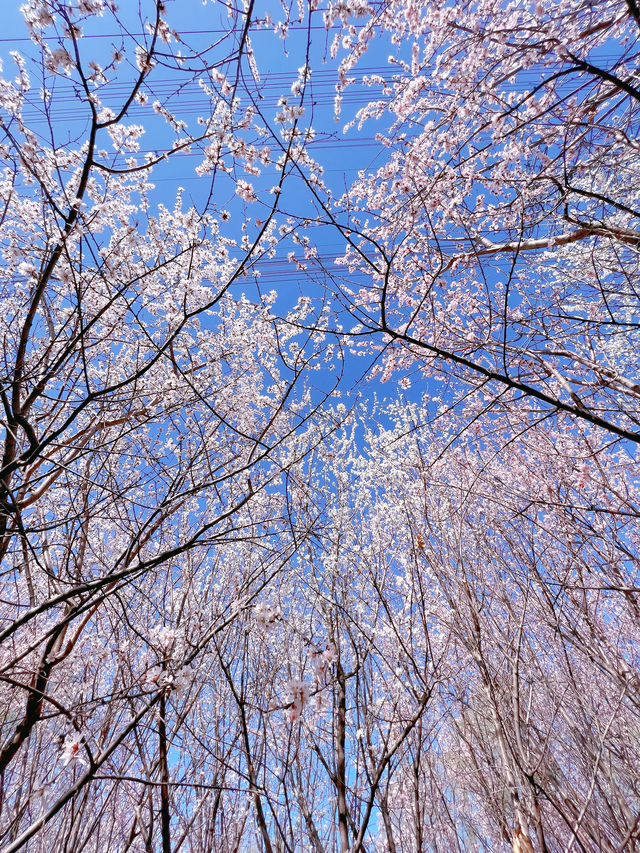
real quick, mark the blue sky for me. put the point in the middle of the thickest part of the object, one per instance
(278, 62)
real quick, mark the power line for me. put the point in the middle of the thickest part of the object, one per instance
(217, 31)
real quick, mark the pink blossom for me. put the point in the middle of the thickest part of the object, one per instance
(245, 190)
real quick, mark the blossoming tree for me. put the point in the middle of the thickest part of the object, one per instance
(150, 414)
(500, 235)
(238, 614)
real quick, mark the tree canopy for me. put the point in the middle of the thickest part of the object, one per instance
(319, 492)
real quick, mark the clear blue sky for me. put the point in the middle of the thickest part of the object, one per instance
(202, 25)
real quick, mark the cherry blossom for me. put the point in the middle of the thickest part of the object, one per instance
(319, 516)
